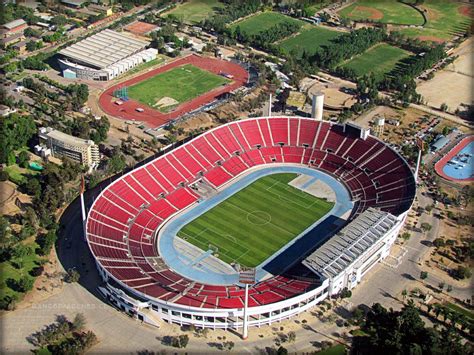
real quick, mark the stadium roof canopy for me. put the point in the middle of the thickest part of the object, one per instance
(334, 256)
(103, 49)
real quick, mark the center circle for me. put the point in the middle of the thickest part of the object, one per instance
(259, 218)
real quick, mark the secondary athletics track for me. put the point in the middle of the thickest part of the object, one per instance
(452, 153)
(155, 118)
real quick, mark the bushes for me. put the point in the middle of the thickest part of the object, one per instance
(24, 284)
(180, 341)
(461, 273)
(8, 303)
(63, 337)
(72, 276)
(37, 271)
(46, 242)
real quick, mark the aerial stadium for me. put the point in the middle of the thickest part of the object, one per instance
(250, 223)
(181, 86)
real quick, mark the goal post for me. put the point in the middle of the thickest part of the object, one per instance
(213, 248)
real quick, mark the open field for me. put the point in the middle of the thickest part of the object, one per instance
(379, 60)
(261, 22)
(179, 84)
(310, 39)
(313, 8)
(257, 221)
(444, 20)
(386, 11)
(451, 85)
(194, 11)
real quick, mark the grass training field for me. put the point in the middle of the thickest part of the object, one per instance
(257, 221)
(194, 11)
(445, 19)
(180, 84)
(379, 60)
(386, 11)
(261, 22)
(310, 39)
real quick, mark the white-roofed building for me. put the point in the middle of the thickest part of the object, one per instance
(105, 55)
(84, 151)
(354, 250)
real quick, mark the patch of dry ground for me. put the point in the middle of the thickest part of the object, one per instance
(374, 13)
(452, 85)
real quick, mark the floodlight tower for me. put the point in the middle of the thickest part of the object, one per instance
(421, 144)
(247, 277)
(83, 207)
(270, 106)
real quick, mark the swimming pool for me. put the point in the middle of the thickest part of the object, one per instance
(458, 164)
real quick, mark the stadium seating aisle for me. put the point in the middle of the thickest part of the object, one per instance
(122, 222)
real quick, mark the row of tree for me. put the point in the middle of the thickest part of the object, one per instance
(64, 337)
(233, 10)
(404, 332)
(15, 133)
(265, 39)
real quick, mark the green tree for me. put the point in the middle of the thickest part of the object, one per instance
(426, 226)
(79, 322)
(116, 162)
(23, 159)
(423, 275)
(72, 276)
(291, 337)
(31, 46)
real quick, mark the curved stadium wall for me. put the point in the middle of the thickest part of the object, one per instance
(123, 220)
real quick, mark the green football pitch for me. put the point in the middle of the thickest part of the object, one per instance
(194, 11)
(181, 84)
(378, 60)
(257, 221)
(261, 22)
(310, 39)
(386, 11)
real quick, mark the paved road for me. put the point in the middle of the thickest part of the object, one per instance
(445, 115)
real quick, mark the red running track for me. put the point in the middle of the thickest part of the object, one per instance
(444, 160)
(154, 118)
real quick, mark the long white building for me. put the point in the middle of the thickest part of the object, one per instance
(104, 56)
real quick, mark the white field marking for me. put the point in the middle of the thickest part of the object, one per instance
(226, 236)
(273, 224)
(221, 250)
(241, 256)
(257, 217)
(313, 202)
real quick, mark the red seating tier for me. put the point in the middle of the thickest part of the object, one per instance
(138, 203)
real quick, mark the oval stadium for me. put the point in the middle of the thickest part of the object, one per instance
(293, 209)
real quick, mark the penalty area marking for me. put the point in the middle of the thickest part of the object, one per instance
(295, 193)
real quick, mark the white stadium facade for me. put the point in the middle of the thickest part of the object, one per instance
(124, 227)
(104, 56)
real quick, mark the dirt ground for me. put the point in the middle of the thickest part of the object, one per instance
(8, 196)
(411, 122)
(452, 85)
(333, 89)
(46, 285)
